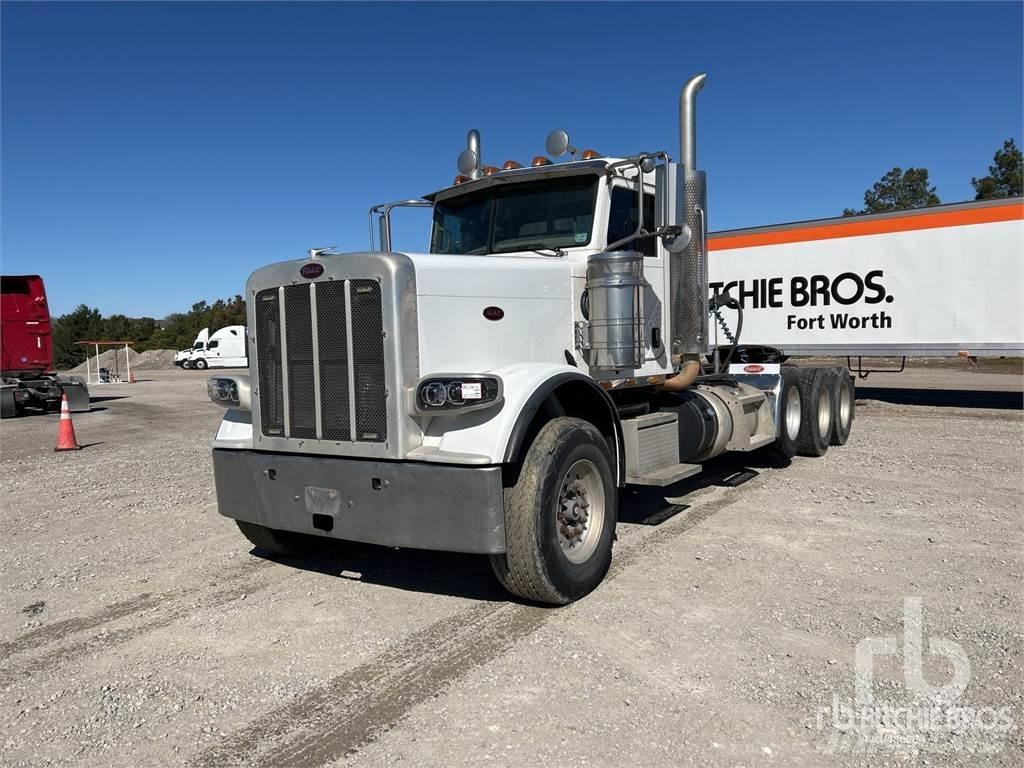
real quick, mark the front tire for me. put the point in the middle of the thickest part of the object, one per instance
(200, 364)
(560, 516)
(276, 542)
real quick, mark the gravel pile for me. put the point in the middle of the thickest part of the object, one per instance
(150, 360)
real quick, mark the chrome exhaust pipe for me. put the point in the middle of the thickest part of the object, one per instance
(688, 121)
(688, 269)
(473, 145)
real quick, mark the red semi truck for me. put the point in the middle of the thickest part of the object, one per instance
(27, 380)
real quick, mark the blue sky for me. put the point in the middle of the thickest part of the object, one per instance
(155, 154)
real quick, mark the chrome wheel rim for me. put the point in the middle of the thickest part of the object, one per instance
(793, 413)
(824, 413)
(845, 406)
(579, 511)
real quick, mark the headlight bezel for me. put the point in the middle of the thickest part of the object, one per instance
(491, 389)
(231, 390)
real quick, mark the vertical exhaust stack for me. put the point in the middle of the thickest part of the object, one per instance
(689, 267)
(473, 145)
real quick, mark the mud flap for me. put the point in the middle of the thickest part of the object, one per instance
(78, 396)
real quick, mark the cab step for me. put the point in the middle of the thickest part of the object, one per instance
(665, 476)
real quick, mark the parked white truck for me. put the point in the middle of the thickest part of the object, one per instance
(492, 395)
(226, 348)
(183, 358)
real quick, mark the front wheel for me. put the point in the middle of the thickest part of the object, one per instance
(200, 364)
(560, 516)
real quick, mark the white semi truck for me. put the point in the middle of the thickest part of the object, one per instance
(492, 395)
(226, 348)
(183, 358)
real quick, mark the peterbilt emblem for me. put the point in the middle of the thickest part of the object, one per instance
(309, 271)
(753, 368)
(494, 313)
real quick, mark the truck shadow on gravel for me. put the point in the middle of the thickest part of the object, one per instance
(944, 398)
(469, 576)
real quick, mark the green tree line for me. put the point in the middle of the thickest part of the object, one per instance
(901, 189)
(176, 331)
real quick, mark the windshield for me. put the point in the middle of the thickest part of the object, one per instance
(523, 216)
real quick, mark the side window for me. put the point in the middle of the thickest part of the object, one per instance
(214, 344)
(622, 219)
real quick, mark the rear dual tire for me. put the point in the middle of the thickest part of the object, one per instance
(817, 396)
(844, 399)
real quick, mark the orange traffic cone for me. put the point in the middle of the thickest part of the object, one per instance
(66, 434)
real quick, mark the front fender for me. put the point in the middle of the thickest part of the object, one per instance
(499, 434)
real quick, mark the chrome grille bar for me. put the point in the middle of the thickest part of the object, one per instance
(284, 362)
(314, 328)
(351, 361)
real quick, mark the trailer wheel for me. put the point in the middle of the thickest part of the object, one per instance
(560, 516)
(200, 364)
(816, 393)
(844, 397)
(274, 541)
(791, 415)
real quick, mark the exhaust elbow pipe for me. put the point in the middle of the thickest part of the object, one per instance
(688, 121)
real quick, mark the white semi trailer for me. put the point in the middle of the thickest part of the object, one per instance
(939, 281)
(492, 395)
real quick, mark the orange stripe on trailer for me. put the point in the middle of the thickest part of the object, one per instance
(855, 228)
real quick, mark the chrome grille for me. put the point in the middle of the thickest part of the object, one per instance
(298, 324)
(268, 331)
(332, 336)
(327, 380)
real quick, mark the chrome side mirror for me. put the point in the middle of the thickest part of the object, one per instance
(557, 144)
(678, 243)
(467, 162)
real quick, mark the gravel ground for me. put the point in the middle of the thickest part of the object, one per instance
(139, 628)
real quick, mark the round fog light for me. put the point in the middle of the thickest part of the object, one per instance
(434, 394)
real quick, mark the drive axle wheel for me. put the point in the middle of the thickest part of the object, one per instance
(844, 397)
(791, 413)
(200, 364)
(816, 392)
(560, 516)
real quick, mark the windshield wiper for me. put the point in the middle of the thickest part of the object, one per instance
(537, 248)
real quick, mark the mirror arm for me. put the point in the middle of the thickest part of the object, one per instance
(638, 163)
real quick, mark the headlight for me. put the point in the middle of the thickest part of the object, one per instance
(230, 391)
(457, 392)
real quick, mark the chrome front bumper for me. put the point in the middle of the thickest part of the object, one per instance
(392, 503)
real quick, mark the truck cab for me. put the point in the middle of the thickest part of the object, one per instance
(226, 348)
(492, 394)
